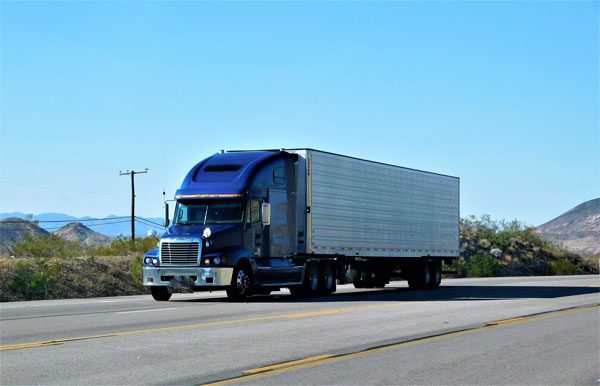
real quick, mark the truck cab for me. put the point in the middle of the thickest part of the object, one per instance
(233, 228)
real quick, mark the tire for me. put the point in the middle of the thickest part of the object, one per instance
(160, 293)
(311, 279)
(436, 274)
(420, 276)
(362, 279)
(357, 279)
(241, 283)
(381, 279)
(310, 285)
(327, 283)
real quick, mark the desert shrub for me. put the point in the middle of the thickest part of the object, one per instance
(123, 246)
(37, 280)
(135, 270)
(45, 247)
(476, 266)
(564, 267)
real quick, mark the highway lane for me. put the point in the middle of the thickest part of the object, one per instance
(199, 338)
(559, 348)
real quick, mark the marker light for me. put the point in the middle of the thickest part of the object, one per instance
(206, 234)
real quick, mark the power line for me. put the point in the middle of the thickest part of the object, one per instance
(72, 220)
(151, 222)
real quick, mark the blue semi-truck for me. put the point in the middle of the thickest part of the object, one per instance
(251, 222)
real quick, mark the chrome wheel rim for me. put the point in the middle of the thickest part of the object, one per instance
(242, 282)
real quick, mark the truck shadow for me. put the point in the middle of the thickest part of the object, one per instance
(450, 293)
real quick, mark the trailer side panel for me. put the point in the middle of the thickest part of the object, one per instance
(364, 208)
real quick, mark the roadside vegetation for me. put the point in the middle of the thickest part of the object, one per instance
(48, 267)
(510, 248)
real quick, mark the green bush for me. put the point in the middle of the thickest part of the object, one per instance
(135, 270)
(45, 247)
(123, 246)
(477, 266)
(35, 281)
(564, 267)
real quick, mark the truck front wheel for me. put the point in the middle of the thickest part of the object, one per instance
(241, 283)
(161, 293)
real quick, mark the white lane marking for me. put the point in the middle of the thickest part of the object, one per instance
(151, 310)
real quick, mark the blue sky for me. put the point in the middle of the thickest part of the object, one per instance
(504, 95)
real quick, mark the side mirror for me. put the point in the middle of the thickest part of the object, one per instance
(167, 221)
(266, 214)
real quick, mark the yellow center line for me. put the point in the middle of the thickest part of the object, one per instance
(504, 321)
(200, 325)
(289, 366)
(286, 364)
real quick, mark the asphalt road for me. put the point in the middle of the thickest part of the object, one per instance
(525, 330)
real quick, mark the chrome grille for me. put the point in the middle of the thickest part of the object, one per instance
(179, 253)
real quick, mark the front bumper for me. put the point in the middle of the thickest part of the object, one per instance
(197, 276)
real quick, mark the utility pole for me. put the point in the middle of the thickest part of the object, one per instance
(132, 174)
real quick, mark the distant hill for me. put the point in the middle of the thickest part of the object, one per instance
(79, 233)
(13, 228)
(578, 230)
(111, 226)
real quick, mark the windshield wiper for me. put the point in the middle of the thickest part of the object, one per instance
(183, 223)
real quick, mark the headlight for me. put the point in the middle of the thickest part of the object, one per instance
(206, 261)
(217, 260)
(147, 260)
(155, 261)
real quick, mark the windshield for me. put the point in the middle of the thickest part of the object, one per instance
(208, 212)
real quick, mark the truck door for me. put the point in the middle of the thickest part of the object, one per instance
(280, 240)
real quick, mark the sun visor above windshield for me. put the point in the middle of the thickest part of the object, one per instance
(224, 175)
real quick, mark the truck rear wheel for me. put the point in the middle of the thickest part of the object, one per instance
(241, 283)
(160, 293)
(310, 285)
(327, 284)
(311, 279)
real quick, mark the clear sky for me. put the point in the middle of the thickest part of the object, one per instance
(504, 95)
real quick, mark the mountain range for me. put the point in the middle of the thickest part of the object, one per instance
(111, 226)
(577, 230)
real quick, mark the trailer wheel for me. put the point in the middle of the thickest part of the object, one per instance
(327, 284)
(420, 276)
(241, 283)
(160, 293)
(381, 279)
(357, 279)
(436, 274)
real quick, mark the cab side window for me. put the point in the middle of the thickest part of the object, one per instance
(279, 176)
(253, 211)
